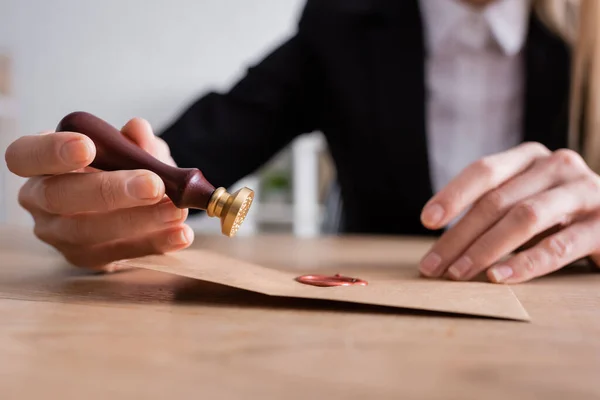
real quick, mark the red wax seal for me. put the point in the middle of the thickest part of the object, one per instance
(328, 280)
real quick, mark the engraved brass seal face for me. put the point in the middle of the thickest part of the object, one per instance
(230, 208)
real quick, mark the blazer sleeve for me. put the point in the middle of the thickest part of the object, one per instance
(230, 135)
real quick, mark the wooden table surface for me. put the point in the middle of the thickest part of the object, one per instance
(66, 334)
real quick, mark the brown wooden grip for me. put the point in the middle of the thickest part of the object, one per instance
(186, 187)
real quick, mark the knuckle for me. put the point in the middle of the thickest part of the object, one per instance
(560, 247)
(528, 212)
(485, 166)
(164, 147)
(24, 195)
(592, 184)
(46, 230)
(108, 191)
(49, 195)
(529, 262)
(493, 203)
(42, 233)
(568, 158)
(536, 148)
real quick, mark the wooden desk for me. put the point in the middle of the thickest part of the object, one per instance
(145, 335)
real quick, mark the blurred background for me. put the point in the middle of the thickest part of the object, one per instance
(150, 58)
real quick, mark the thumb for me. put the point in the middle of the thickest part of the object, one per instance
(139, 131)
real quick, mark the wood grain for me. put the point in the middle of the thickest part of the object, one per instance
(68, 334)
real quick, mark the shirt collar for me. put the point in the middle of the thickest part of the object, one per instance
(507, 20)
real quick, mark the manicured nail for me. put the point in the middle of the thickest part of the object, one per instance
(432, 214)
(76, 151)
(169, 213)
(460, 267)
(144, 187)
(179, 238)
(501, 273)
(430, 263)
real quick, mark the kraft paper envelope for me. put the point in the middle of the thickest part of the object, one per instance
(472, 298)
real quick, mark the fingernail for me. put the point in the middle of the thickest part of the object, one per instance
(501, 273)
(179, 238)
(460, 268)
(112, 268)
(144, 187)
(432, 214)
(76, 152)
(169, 213)
(430, 263)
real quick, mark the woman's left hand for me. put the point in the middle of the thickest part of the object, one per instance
(512, 198)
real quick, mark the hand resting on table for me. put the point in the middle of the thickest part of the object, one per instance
(525, 193)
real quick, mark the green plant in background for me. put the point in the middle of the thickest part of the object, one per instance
(278, 182)
(277, 185)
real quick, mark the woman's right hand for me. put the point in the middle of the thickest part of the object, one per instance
(94, 217)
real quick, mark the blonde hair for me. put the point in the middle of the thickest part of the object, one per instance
(576, 21)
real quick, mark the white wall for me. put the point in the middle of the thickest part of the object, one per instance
(125, 58)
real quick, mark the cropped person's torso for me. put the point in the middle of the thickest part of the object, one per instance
(407, 93)
(475, 81)
(416, 90)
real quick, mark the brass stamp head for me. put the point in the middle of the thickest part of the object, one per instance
(230, 208)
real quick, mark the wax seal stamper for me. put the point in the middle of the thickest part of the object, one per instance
(186, 187)
(330, 280)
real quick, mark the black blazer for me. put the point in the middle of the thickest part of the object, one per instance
(354, 70)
